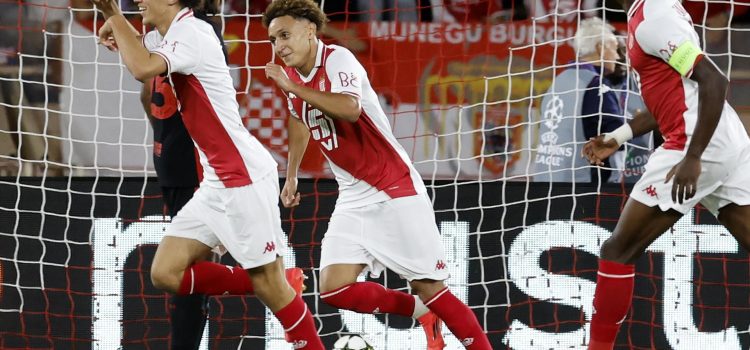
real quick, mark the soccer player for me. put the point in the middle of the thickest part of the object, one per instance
(236, 205)
(705, 156)
(383, 217)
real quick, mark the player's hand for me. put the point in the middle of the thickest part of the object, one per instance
(109, 8)
(289, 195)
(106, 37)
(685, 175)
(277, 74)
(596, 150)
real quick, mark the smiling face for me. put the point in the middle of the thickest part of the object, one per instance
(293, 41)
(156, 12)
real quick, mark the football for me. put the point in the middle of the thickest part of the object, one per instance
(352, 342)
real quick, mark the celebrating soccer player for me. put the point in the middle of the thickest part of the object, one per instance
(705, 156)
(383, 217)
(236, 203)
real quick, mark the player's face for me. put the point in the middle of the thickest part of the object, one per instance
(608, 52)
(292, 40)
(154, 12)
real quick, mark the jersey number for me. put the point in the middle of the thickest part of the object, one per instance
(322, 129)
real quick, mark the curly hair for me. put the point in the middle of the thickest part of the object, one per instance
(297, 9)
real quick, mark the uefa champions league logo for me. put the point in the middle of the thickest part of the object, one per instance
(553, 111)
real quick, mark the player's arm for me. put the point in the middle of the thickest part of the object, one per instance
(599, 148)
(141, 63)
(335, 105)
(712, 93)
(299, 136)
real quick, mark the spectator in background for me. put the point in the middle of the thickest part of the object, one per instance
(580, 104)
(490, 11)
(337, 11)
(570, 11)
(29, 142)
(638, 149)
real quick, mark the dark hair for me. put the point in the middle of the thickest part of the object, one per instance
(202, 7)
(297, 9)
(201, 10)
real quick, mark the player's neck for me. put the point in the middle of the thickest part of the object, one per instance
(168, 18)
(312, 57)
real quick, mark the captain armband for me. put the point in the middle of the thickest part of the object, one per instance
(683, 59)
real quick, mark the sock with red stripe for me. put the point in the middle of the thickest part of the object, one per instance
(459, 319)
(215, 279)
(612, 299)
(299, 325)
(370, 298)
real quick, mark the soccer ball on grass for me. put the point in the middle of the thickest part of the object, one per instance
(352, 342)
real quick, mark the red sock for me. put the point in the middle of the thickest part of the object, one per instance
(459, 319)
(370, 298)
(214, 279)
(612, 298)
(299, 325)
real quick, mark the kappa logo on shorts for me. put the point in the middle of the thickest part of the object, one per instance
(651, 191)
(440, 265)
(467, 341)
(299, 344)
(270, 246)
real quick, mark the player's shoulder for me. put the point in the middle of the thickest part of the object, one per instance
(663, 11)
(193, 29)
(336, 55)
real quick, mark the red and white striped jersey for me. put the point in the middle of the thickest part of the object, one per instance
(369, 164)
(198, 72)
(663, 48)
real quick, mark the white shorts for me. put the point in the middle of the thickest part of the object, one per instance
(720, 182)
(245, 220)
(399, 234)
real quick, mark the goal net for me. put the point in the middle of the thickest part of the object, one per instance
(466, 87)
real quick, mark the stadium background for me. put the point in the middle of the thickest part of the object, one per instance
(79, 210)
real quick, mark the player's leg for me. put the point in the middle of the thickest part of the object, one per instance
(736, 218)
(251, 231)
(344, 257)
(732, 199)
(339, 288)
(274, 291)
(648, 213)
(187, 313)
(639, 225)
(180, 265)
(457, 316)
(173, 257)
(404, 237)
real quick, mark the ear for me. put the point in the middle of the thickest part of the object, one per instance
(312, 30)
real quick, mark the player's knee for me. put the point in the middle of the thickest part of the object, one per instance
(162, 279)
(613, 250)
(426, 289)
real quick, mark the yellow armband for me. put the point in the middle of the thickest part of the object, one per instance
(683, 58)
